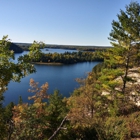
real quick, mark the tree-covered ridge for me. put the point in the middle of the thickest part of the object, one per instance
(88, 114)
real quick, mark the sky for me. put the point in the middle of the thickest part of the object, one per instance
(63, 22)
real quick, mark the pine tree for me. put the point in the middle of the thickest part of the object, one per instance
(57, 111)
(125, 37)
(125, 55)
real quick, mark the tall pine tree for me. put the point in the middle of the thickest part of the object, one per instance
(125, 39)
(123, 57)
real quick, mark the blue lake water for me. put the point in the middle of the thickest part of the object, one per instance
(61, 77)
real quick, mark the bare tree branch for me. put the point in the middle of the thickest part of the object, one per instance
(58, 128)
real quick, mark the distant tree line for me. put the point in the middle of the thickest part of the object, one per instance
(80, 48)
(70, 58)
(25, 46)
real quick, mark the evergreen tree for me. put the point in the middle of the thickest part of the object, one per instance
(56, 113)
(125, 38)
(125, 54)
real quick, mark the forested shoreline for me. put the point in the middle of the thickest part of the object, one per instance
(105, 107)
(69, 58)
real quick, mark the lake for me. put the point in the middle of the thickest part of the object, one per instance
(61, 77)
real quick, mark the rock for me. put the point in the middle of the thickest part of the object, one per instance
(134, 93)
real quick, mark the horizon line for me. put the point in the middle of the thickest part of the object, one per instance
(67, 44)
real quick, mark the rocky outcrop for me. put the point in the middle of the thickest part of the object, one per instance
(133, 86)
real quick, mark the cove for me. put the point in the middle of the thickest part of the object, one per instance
(61, 77)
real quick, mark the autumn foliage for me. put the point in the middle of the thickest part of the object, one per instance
(106, 106)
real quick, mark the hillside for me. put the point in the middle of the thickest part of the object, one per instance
(15, 48)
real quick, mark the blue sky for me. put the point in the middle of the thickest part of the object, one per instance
(68, 22)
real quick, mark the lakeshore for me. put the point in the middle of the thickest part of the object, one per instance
(45, 63)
